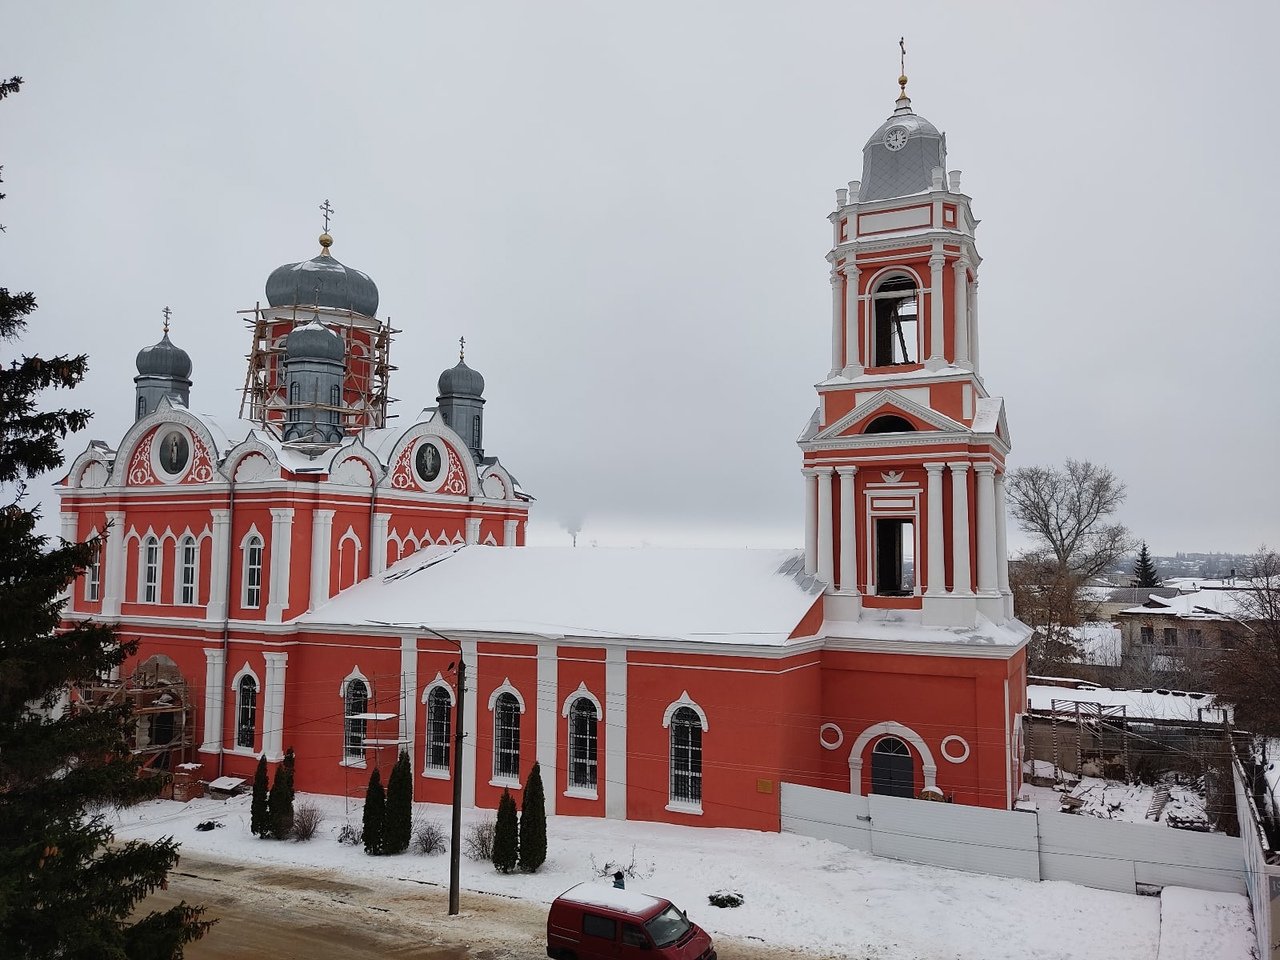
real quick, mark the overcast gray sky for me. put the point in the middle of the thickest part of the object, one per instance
(622, 207)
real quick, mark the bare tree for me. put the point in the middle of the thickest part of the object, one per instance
(1066, 509)
(1247, 673)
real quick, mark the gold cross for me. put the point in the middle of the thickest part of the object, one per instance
(328, 212)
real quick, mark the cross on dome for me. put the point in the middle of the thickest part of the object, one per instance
(328, 212)
(167, 314)
(462, 349)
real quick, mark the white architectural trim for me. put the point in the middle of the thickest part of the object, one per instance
(439, 683)
(259, 711)
(505, 687)
(355, 674)
(548, 729)
(215, 671)
(273, 708)
(349, 537)
(614, 775)
(580, 692)
(834, 744)
(470, 715)
(250, 534)
(684, 700)
(961, 755)
(890, 728)
(408, 684)
(810, 521)
(321, 550)
(281, 550)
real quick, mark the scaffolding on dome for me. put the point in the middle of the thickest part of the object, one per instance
(366, 380)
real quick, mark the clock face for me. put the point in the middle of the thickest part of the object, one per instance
(895, 138)
(427, 462)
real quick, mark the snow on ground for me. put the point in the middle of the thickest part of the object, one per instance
(799, 892)
(1196, 924)
(1112, 800)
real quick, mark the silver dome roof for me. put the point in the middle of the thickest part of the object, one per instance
(900, 173)
(323, 281)
(461, 380)
(314, 341)
(164, 359)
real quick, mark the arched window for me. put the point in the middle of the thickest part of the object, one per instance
(335, 400)
(438, 729)
(686, 758)
(506, 738)
(890, 423)
(897, 323)
(252, 596)
(142, 408)
(150, 571)
(356, 702)
(246, 712)
(893, 771)
(583, 724)
(188, 555)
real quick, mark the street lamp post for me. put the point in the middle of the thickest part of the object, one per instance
(455, 838)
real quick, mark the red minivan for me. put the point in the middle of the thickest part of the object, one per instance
(595, 921)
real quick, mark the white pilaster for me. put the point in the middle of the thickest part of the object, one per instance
(281, 557)
(960, 579)
(837, 322)
(70, 522)
(218, 599)
(378, 558)
(936, 585)
(852, 343)
(509, 532)
(321, 553)
(848, 535)
(408, 695)
(973, 322)
(273, 709)
(115, 564)
(1002, 548)
(986, 483)
(215, 677)
(469, 724)
(810, 521)
(614, 723)
(962, 312)
(548, 717)
(473, 529)
(937, 325)
(826, 558)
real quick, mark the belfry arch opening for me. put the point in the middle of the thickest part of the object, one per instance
(894, 556)
(895, 337)
(890, 423)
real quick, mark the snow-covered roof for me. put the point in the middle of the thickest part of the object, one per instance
(713, 596)
(1138, 704)
(907, 626)
(614, 898)
(1201, 605)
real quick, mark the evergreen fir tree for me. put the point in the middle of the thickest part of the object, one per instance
(533, 823)
(65, 889)
(397, 830)
(259, 811)
(506, 835)
(1144, 569)
(375, 814)
(280, 802)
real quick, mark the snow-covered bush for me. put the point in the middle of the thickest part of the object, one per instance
(477, 844)
(351, 835)
(429, 837)
(306, 820)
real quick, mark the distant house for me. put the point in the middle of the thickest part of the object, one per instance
(1171, 633)
(1117, 599)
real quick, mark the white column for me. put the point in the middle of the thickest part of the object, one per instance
(215, 677)
(1002, 547)
(408, 695)
(471, 734)
(937, 570)
(509, 532)
(115, 564)
(281, 561)
(378, 558)
(826, 558)
(960, 580)
(70, 522)
(810, 521)
(837, 322)
(848, 536)
(614, 723)
(321, 552)
(986, 481)
(852, 342)
(218, 599)
(548, 720)
(273, 709)
(473, 529)
(937, 325)
(973, 322)
(962, 312)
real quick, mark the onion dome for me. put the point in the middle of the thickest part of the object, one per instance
(314, 341)
(165, 360)
(901, 156)
(461, 381)
(322, 281)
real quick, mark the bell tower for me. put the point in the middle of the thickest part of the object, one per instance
(904, 457)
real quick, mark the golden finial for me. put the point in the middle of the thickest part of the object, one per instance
(462, 349)
(167, 314)
(902, 68)
(326, 241)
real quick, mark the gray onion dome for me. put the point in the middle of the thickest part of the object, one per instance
(314, 341)
(900, 157)
(163, 359)
(461, 381)
(323, 282)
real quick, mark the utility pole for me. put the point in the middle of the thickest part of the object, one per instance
(455, 835)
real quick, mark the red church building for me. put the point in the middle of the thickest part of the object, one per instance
(307, 575)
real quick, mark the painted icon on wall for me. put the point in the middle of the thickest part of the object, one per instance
(427, 462)
(174, 451)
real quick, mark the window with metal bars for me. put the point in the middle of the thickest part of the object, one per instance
(438, 729)
(93, 577)
(187, 593)
(686, 757)
(150, 570)
(506, 738)
(253, 572)
(246, 712)
(583, 727)
(357, 704)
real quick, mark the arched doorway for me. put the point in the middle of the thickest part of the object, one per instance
(893, 772)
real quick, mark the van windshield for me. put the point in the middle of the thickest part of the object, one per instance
(668, 927)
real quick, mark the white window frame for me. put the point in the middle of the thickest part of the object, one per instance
(251, 539)
(149, 569)
(582, 791)
(245, 672)
(429, 769)
(504, 779)
(684, 804)
(350, 759)
(93, 573)
(181, 567)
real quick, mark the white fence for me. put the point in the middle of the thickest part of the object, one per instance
(1033, 846)
(1262, 878)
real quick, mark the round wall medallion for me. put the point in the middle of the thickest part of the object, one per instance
(171, 452)
(830, 736)
(955, 749)
(428, 462)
